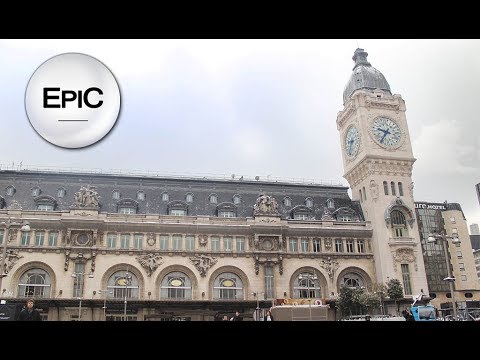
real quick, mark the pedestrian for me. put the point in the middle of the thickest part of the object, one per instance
(236, 317)
(268, 316)
(225, 318)
(29, 313)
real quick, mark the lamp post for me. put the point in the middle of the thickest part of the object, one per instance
(308, 277)
(128, 280)
(106, 292)
(80, 276)
(432, 238)
(257, 310)
(7, 225)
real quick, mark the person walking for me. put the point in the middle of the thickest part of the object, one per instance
(29, 313)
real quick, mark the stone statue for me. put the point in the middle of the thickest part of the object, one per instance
(374, 189)
(87, 197)
(330, 266)
(265, 204)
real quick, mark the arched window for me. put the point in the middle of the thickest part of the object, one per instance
(400, 189)
(228, 286)
(34, 283)
(123, 284)
(330, 204)
(10, 190)
(61, 192)
(392, 185)
(385, 187)
(399, 224)
(176, 285)
(140, 195)
(165, 196)
(306, 286)
(353, 280)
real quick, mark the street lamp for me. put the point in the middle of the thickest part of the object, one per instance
(128, 281)
(432, 238)
(80, 275)
(257, 310)
(106, 292)
(309, 277)
(7, 225)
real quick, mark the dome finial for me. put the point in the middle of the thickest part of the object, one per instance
(360, 58)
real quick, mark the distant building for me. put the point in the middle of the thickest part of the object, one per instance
(477, 187)
(475, 241)
(476, 255)
(474, 230)
(447, 218)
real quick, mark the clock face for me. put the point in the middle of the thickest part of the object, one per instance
(386, 132)
(352, 141)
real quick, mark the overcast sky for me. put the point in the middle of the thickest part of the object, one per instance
(258, 107)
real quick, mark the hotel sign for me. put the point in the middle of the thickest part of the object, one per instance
(430, 206)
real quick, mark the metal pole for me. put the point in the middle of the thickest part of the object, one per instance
(4, 252)
(105, 308)
(125, 303)
(309, 299)
(449, 274)
(80, 310)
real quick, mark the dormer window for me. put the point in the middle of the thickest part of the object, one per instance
(127, 206)
(309, 202)
(177, 208)
(330, 204)
(61, 192)
(116, 194)
(35, 191)
(301, 212)
(165, 196)
(287, 201)
(213, 199)
(226, 210)
(237, 199)
(45, 203)
(189, 198)
(140, 195)
(10, 191)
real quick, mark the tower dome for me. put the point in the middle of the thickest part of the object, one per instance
(364, 76)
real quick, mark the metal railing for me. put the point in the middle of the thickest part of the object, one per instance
(165, 175)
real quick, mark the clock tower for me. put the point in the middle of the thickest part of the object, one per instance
(378, 160)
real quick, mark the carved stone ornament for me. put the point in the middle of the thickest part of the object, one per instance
(203, 240)
(404, 255)
(328, 244)
(14, 205)
(203, 263)
(80, 257)
(87, 197)
(12, 235)
(151, 239)
(150, 262)
(265, 243)
(330, 266)
(373, 190)
(326, 214)
(265, 205)
(268, 261)
(11, 258)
